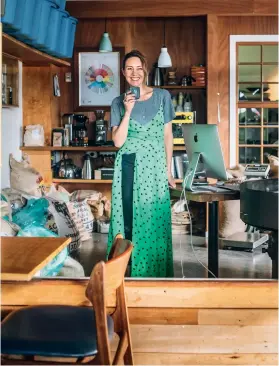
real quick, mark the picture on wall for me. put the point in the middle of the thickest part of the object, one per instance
(99, 78)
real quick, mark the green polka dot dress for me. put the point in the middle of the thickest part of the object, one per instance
(151, 236)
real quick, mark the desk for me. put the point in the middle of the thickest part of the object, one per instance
(22, 257)
(213, 199)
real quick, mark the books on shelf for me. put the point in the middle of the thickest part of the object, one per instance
(104, 173)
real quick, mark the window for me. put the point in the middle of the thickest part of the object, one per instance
(256, 101)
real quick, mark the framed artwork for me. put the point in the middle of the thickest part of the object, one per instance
(98, 78)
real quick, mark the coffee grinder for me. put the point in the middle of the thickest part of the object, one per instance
(100, 128)
(80, 136)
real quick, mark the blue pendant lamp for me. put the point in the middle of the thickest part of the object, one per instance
(105, 44)
(164, 59)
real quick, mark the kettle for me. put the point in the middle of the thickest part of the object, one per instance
(67, 169)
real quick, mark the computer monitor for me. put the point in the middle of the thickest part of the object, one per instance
(203, 145)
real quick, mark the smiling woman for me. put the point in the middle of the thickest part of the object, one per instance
(140, 194)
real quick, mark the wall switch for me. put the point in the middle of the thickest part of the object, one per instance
(68, 77)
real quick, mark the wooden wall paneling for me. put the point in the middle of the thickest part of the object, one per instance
(181, 359)
(89, 32)
(120, 31)
(128, 33)
(162, 316)
(192, 316)
(263, 7)
(186, 42)
(66, 88)
(206, 322)
(185, 38)
(233, 26)
(203, 339)
(161, 8)
(41, 161)
(195, 316)
(146, 35)
(104, 188)
(55, 101)
(238, 317)
(150, 294)
(212, 69)
(40, 105)
(205, 359)
(36, 95)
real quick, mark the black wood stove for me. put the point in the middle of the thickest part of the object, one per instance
(259, 208)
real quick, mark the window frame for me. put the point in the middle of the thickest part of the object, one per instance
(236, 40)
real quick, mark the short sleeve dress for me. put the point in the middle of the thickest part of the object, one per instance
(151, 227)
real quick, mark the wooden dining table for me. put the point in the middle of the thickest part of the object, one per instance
(23, 257)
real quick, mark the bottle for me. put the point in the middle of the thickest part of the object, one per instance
(86, 170)
(188, 106)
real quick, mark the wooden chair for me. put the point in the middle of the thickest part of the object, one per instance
(72, 331)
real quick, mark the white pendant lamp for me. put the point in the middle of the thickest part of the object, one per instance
(105, 44)
(164, 59)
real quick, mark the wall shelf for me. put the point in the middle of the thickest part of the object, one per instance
(180, 87)
(81, 148)
(29, 55)
(92, 181)
(69, 148)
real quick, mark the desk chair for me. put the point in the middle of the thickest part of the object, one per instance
(75, 331)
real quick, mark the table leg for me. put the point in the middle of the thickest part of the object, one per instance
(213, 239)
(273, 252)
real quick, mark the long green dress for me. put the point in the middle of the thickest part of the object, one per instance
(151, 236)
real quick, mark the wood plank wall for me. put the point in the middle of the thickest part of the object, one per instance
(170, 8)
(185, 39)
(190, 40)
(180, 322)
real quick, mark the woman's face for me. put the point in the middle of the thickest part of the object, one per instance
(133, 71)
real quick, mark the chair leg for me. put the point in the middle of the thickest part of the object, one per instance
(79, 360)
(128, 356)
(29, 358)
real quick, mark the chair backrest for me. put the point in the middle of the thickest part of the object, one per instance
(108, 279)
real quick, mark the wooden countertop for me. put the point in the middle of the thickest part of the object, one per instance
(206, 196)
(22, 257)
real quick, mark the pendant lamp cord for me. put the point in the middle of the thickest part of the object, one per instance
(106, 25)
(164, 30)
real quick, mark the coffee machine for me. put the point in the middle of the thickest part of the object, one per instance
(100, 128)
(80, 136)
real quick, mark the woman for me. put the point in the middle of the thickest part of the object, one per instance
(140, 193)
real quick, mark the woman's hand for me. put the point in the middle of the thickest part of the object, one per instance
(129, 102)
(171, 181)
